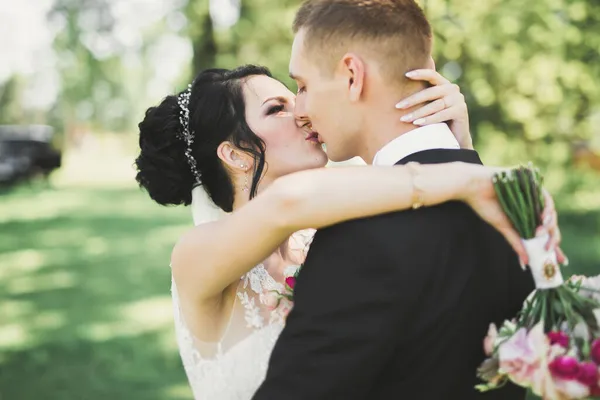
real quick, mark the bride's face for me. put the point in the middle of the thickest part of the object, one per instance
(270, 114)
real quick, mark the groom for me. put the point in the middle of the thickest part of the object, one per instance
(394, 306)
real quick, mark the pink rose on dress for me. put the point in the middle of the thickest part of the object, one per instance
(270, 300)
(558, 337)
(595, 351)
(286, 307)
(291, 282)
(521, 355)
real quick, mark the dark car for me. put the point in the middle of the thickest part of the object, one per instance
(26, 151)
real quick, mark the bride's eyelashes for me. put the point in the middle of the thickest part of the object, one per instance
(275, 109)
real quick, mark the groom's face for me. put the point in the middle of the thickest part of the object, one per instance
(323, 98)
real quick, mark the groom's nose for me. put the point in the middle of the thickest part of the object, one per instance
(299, 109)
(301, 122)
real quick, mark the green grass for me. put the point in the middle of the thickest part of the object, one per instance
(84, 293)
(84, 296)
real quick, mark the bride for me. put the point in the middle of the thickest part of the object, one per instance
(231, 137)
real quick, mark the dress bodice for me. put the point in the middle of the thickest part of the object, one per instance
(234, 367)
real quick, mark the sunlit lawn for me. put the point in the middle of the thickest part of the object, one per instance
(84, 292)
(84, 296)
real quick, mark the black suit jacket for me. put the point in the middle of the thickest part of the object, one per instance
(396, 306)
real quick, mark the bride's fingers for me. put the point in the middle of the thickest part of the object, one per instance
(512, 237)
(446, 109)
(428, 75)
(549, 208)
(561, 257)
(427, 110)
(429, 94)
(445, 115)
(550, 222)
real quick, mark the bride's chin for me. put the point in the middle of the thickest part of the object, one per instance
(319, 161)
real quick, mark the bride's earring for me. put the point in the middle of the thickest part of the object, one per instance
(245, 188)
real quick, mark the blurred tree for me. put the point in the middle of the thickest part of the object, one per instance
(529, 73)
(88, 78)
(262, 35)
(11, 111)
(201, 33)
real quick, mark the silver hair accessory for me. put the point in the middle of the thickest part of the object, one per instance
(187, 135)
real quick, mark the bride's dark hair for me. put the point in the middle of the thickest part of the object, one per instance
(216, 114)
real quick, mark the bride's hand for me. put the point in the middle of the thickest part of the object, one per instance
(481, 196)
(443, 102)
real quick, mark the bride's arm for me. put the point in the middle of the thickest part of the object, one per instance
(213, 256)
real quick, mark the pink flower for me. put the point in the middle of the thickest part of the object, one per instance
(564, 367)
(291, 282)
(490, 340)
(571, 378)
(595, 351)
(588, 374)
(286, 307)
(558, 337)
(270, 300)
(521, 355)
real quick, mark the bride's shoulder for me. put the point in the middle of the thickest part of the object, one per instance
(187, 247)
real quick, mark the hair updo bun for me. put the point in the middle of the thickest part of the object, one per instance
(216, 114)
(162, 167)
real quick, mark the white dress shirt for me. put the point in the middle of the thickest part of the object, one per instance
(435, 136)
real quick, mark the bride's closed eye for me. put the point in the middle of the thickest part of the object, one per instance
(275, 109)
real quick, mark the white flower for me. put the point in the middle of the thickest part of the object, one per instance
(290, 270)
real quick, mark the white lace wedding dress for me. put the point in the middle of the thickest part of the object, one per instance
(234, 367)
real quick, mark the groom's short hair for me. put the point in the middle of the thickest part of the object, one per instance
(395, 31)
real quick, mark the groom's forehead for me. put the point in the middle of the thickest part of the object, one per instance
(297, 55)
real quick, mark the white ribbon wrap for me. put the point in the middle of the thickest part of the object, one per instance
(544, 267)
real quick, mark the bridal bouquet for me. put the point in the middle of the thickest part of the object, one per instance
(553, 346)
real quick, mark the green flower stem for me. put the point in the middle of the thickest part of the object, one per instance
(528, 190)
(510, 202)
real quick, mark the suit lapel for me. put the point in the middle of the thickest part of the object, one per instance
(439, 156)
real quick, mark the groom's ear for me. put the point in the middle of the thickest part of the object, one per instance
(353, 69)
(431, 63)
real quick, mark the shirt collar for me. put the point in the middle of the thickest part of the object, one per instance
(435, 136)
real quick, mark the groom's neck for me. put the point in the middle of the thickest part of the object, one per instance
(381, 128)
